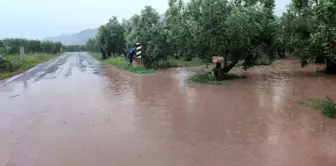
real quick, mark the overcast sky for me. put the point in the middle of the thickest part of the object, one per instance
(36, 19)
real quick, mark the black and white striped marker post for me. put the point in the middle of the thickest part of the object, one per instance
(138, 55)
(138, 50)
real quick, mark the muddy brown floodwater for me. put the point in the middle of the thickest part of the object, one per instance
(72, 112)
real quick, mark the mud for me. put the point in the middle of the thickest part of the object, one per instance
(73, 112)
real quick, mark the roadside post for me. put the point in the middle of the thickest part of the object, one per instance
(138, 57)
(138, 50)
(22, 52)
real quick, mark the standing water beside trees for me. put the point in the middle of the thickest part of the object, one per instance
(246, 33)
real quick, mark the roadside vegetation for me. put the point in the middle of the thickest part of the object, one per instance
(122, 64)
(327, 106)
(11, 65)
(36, 52)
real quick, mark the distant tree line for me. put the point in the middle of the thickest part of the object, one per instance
(12, 46)
(75, 48)
(91, 45)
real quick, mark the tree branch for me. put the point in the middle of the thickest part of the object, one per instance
(230, 66)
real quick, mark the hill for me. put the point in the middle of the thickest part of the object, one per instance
(74, 39)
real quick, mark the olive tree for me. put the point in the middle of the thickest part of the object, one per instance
(309, 31)
(92, 45)
(110, 38)
(237, 30)
(148, 30)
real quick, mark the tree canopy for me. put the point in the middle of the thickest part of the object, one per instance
(244, 30)
(309, 31)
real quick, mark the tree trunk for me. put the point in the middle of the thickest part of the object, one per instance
(125, 55)
(330, 66)
(270, 51)
(220, 72)
(103, 53)
(226, 58)
(281, 51)
(230, 66)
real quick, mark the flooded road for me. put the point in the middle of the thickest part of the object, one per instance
(71, 112)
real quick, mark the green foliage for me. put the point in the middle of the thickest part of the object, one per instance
(308, 30)
(238, 30)
(12, 64)
(92, 45)
(12, 46)
(96, 55)
(202, 29)
(4, 48)
(206, 78)
(327, 106)
(110, 38)
(202, 78)
(75, 48)
(205, 28)
(147, 29)
(122, 63)
(35, 53)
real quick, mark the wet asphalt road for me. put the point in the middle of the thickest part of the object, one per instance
(73, 111)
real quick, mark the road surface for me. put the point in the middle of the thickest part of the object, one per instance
(71, 111)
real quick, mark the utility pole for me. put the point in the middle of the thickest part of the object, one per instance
(22, 52)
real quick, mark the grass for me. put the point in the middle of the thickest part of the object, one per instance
(15, 65)
(206, 78)
(122, 64)
(96, 55)
(327, 106)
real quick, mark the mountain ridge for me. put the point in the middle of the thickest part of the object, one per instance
(79, 38)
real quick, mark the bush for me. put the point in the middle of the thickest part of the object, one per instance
(3, 64)
(329, 108)
(8, 65)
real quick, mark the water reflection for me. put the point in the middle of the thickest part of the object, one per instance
(159, 119)
(255, 118)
